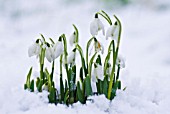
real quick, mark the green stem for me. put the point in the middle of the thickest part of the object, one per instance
(108, 57)
(107, 16)
(82, 59)
(43, 37)
(65, 52)
(118, 71)
(52, 71)
(41, 72)
(107, 19)
(61, 62)
(114, 59)
(90, 64)
(42, 56)
(87, 50)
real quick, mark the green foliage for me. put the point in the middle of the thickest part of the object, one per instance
(72, 91)
(88, 88)
(29, 84)
(80, 94)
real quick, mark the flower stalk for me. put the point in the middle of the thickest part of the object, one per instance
(114, 59)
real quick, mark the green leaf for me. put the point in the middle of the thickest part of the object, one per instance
(88, 88)
(25, 86)
(74, 73)
(39, 86)
(37, 81)
(99, 87)
(32, 86)
(80, 94)
(119, 84)
(52, 95)
(66, 86)
(66, 97)
(114, 89)
(81, 74)
(72, 85)
(105, 86)
(61, 89)
(49, 80)
(28, 78)
(98, 60)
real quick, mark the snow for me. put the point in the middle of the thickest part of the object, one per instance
(145, 45)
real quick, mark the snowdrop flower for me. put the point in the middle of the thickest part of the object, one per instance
(120, 62)
(72, 39)
(58, 49)
(99, 47)
(97, 73)
(96, 25)
(71, 57)
(112, 32)
(34, 49)
(54, 51)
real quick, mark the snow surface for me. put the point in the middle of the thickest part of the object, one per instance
(145, 45)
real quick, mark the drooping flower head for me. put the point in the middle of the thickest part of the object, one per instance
(97, 73)
(120, 62)
(96, 25)
(98, 46)
(54, 51)
(112, 31)
(34, 49)
(72, 39)
(72, 57)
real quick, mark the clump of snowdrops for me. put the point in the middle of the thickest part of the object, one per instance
(103, 74)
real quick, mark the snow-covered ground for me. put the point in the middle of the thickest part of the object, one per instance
(145, 45)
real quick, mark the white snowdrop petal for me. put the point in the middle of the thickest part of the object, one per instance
(58, 49)
(100, 26)
(100, 72)
(112, 32)
(93, 27)
(34, 49)
(37, 50)
(72, 39)
(71, 57)
(116, 33)
(120, 61)
(109, 32)
(48, 54)
(94, 73)
(97, 73)
(102, 48)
